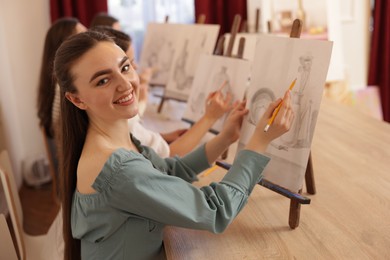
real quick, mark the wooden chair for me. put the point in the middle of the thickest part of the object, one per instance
(7, 248)
(48, 246)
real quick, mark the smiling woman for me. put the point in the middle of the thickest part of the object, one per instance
(109, 86)
(117, 194)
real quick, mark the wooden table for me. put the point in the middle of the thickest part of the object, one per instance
(348, 218)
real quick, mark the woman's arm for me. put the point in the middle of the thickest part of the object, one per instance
(260, 139)
(216, 107)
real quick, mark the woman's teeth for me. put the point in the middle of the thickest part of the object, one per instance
(123, 100)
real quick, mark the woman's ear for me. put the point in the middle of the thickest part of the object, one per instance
(72, 97)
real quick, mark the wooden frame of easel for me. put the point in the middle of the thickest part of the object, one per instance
(296, 197)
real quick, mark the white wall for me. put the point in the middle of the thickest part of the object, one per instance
(347, 22)
(23, 25)
(355, 15)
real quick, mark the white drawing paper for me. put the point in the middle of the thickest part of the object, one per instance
(211, 72)
(195, 40)
(173, 50)
(278, 61)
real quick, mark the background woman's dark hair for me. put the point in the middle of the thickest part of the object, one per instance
(103, 19)
(58, 32)
(123, 40)
(74, 125)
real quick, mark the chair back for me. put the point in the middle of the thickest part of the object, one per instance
(7, 248)
(13, 201)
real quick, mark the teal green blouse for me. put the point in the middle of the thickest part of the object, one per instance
(137, 194)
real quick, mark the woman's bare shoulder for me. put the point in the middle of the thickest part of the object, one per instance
(90, 165)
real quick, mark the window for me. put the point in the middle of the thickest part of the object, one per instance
(134, 15)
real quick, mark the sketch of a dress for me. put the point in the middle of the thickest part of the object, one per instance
(161, 58)
(220, 77)
(180, 75)
(300, 132)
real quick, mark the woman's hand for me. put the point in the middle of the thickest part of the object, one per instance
(232, 126)
(217, 105)
(282, 123)
(229, 134)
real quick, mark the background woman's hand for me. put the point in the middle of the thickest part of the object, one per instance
(217, 105)
(232, 126)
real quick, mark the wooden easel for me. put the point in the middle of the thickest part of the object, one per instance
(296, 198)
(234, 31)
(219, 51)
(201, 20)
(257, 21)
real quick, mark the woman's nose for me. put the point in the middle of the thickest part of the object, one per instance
(128, 81)
(124, 83)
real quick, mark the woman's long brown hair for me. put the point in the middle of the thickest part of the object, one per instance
(74, 126)
(58, 32)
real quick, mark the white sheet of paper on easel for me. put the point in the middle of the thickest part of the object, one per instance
(173, 50)
(195, 40)
(278, 61)
(211, 72)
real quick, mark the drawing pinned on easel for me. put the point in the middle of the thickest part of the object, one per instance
(195, 40)
(212, 73)
(158, 51)
(277, 62)
(173, 49)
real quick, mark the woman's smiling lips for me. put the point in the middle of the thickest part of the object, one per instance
(125, 100)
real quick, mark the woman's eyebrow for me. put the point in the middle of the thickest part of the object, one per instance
(124, 59)
(102, 72)
(99, 73)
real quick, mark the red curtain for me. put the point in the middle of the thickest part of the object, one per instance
(221, 12)
(379, 68)
(84, 10)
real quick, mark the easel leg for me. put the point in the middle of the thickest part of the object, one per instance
(294, 215)
(309, 177)
(160, 106)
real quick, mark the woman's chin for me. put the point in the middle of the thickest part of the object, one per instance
(133, 113)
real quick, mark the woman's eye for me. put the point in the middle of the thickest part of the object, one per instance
(102, 82)
(126, 68)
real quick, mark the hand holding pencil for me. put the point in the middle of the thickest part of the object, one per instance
(217, 104)
(279, 117)
(276, 111)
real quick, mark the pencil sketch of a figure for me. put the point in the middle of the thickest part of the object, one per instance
(229, 76)
(160, 57)
(219, 78)
(198, 101)
(180, 75)
(300, 132)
